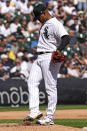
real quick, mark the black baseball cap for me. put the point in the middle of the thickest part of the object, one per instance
(38, 10)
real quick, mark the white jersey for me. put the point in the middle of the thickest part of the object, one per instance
(14, 27)
(50, 35)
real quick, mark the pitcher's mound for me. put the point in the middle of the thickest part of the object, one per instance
(34, 127)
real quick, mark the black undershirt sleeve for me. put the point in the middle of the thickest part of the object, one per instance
(64, 42)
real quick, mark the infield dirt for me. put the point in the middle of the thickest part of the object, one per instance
(60, 114)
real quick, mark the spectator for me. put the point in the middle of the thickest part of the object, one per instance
(6, 9)
(70, 21)
(77, 60)
(21, 67)
(15, 71)
(4, 42)
(73, 72)
(5, 30)
(3, 73)
(14, 26)
(19, 4)
(69, 8)
(6, 62)
(75, 26)
(73, 39)
(14, 46)
(27, 8)
(81, 16)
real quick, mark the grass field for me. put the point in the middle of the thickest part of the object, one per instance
(79, 123)
(60, 107)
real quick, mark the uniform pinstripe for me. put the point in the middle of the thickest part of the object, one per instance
(43, 68)
(49, 39)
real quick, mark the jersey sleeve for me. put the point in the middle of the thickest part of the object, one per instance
(59, 29)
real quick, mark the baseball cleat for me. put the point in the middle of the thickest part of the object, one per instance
(45, 121)
(33, 117)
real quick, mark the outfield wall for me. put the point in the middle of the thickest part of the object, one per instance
(14, 92)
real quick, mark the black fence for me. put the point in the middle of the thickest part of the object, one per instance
(14, 92)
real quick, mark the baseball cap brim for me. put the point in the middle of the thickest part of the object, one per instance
(36, 18)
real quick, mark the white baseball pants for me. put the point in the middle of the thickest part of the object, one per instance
(43, 68)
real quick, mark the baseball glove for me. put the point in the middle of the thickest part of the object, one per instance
(57, 56)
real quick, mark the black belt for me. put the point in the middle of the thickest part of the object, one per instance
(40, 53)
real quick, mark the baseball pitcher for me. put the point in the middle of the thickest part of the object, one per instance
(52, 40)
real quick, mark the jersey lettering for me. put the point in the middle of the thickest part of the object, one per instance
(46, 32)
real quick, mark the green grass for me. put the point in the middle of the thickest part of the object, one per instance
(6, 108)
(60, 107)
(78, 123)
(11, 121)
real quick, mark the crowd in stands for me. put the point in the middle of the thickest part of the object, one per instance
(19, 36)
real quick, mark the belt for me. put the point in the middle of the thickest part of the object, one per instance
(40, 53)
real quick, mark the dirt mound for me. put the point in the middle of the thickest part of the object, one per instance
(19, 127)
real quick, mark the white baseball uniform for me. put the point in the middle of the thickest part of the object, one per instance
(49, 39)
